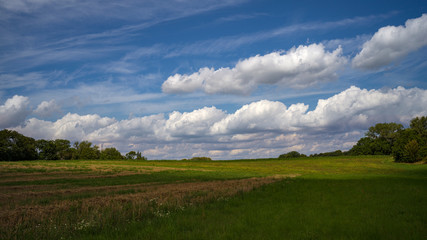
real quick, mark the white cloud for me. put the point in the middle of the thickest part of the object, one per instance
(73, 127)
(259, 129)
(392, 43)
(353, 108)
(360, 108)
(14, 111)
(299, 67)
(196, 123)
(47, 109)
(136, 129)
(263, 115)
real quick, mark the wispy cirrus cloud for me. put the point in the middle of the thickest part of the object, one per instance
(232, 42)
(28, 80)
(35, 44)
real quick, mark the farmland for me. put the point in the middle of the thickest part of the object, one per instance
(365, 197)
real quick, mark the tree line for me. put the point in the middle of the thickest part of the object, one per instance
(15, 146)
(404, 144)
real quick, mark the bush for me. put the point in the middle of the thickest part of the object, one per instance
(293, 154)
(330, 154)
(199, 159)
(411, 151)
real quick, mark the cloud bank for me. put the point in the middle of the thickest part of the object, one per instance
(259, 129)
(392, 43)
(299, 67)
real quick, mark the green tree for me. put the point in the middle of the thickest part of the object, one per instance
(379, 140)
(411, 144)
(383, 136)
(85, 150)
(411, 151)
(362, 147)
(419, 124)
(111, 154)
(140, 157)
(63, 149)
(15, 146)
(388, 131)
(404, 137)
(46, 149)
(132, 155)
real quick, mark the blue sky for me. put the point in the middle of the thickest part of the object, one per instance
(225, 79)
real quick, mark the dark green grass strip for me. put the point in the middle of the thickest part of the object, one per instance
(375, 208)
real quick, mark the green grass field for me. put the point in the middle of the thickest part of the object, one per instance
(368, 197)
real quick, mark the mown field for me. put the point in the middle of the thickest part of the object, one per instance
(368, 197)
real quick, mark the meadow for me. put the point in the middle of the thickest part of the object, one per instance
(363, 197)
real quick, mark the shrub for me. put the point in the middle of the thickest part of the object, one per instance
(199, 159)
(293, 154)
(330, 154)
(411, 151)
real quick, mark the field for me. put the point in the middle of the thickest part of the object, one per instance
(368, 197)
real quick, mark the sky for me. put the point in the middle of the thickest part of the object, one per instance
(225, 79)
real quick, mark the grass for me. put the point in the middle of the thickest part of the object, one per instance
(368, 197)
(299, 209)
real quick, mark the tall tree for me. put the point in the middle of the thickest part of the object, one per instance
(111, 154)
(411, 144)
(387, 131)
(46, 149)
(131, 155)
(85, 150)
(383, 136)
(63, 149)
(419, 124)
(15, 146)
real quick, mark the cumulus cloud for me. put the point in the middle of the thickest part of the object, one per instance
(392, 43)
(353, 108)
(263, 115)
(196, 123)
(136, 129)
(259, 129)
(47, 109)
(299, 67)
(14, 111)
(72, 127)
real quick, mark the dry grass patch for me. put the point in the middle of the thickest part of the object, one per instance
(145, 199)
(65, 175)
